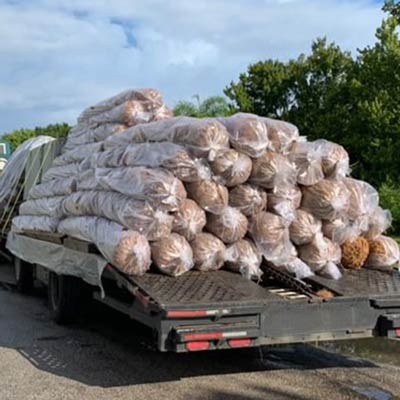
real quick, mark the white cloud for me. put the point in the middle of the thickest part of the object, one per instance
(58, 57)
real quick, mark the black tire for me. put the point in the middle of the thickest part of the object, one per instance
(23, 272)
(67, 296)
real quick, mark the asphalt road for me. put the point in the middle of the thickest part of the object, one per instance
(105, 356)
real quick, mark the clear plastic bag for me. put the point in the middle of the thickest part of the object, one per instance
(230, 226)
(78, 154)
(203, 137)
(170, 156)
(247, 134)
(271, 236)
(307, 158)
(189, 220)
(84, 135)
(133, 214)
(243, 257)
(155, 185)
(364, 199)
(297, 267)
(281, 134)
(273, 170)
(59, 187)
(129, 251)
(328, 199)
(49, 206)
(129, 113)
(141, 95)
(248, 199)
(284, 201)
(335, 159)
(42, 223)
(231, 168)
(379, 221)
(61, 172)
(172, 255)
(304, 228)
(383, 252)
(208, 252)
(322, 255)
(209, 195)
(341, 230)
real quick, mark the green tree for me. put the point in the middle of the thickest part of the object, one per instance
(215, 106)
(354, 101)
(19, 136)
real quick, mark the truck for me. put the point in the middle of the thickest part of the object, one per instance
(198, 311)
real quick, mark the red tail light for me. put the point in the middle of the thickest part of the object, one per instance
(197, 346)
(398, 332)
(239, 342)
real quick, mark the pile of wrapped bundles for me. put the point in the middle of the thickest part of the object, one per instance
(178, 193)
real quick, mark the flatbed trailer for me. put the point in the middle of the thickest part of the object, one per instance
(223, 310)
(205, 311)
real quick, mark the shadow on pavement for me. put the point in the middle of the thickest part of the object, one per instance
(107, 349)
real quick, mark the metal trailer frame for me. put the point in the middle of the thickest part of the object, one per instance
(197, 311)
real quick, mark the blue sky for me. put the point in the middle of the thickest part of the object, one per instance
(57, 57)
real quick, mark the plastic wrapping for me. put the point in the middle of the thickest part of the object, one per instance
(209, 195)
(189, 220)
(247, 134)
(364, 199)
(335, 159)
(230, 226)
(129, 113)
(322, 255)
(157, 186)
(273, 170)
(61, 172)
(204, 137)
(297, 267)
(77, 154)
(243, 257)
(61, 187)
(383, 252)
(304, 228)
(133, 214)
(231, 167)
(142, 95)
(328, 199)
(281, 134)
(355, 253)
(284, 201)
(208, 252)
(379, 221)
(271, 236)
(35, 223)
(129, 251)
(85, 135)
(170, 156)
(248, 199)
(307, 158)
(341, 230)
(15, 167)
(50, 206)
(172, 255)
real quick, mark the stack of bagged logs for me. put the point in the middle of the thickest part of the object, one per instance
(184, 193)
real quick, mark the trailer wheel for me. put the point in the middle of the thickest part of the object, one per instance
(23, 272)
(66, 296)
